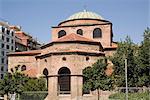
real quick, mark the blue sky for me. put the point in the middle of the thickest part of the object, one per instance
(129, 17)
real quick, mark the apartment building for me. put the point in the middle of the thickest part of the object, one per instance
(7, 45)
(13, 39)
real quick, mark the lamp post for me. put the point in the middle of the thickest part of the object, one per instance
(126, 78)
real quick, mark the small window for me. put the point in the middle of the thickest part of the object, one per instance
(2, 45)
(2, 76)
(2, 37)
(12, 41)
(2, 68)
(2, 60)
(7, 39)
(3, 53)
(6, 61)
(3, 29)
(87, 58)
(12, 48)
(12, 33)
(23, 68)
(64, 58)
(8, 31)
(45, 71)
(97, 33)
(45, 60)
(7, 46)
(80, 31)
(61, 33)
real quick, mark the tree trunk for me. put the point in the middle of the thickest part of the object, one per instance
(98, 97)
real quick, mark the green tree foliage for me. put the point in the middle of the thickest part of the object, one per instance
(138, 58)
(18, 83)
(87, 79)
(126, 50)
(34, 84)
(144, 60)
(95, 77)
(13, 83)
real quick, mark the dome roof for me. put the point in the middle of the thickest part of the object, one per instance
(85, 14)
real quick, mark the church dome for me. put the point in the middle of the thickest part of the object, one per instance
(85, 15)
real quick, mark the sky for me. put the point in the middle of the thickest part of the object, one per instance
(36, 17)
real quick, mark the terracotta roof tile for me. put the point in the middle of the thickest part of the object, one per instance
(73, 37)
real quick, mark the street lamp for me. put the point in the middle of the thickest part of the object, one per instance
(126, 79)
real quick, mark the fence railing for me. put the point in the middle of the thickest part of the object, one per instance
(134, 93)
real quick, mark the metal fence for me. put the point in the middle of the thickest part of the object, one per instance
(134, 93)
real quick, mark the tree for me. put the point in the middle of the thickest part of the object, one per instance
(17, 82)
(13, 83)
(34, 84)
(126, 50)
(144, 60)
(95, 77)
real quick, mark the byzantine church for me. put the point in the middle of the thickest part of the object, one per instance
(77, 43)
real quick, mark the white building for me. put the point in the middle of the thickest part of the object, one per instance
(7, 44)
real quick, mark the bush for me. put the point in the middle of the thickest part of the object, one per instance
(131, 96)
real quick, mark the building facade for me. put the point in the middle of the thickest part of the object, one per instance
(24, 41)
(77, 43)
(7, 44)
(12, 39)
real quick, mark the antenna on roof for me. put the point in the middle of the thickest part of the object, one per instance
(85, 8)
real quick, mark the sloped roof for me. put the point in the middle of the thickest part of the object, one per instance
(73, 37)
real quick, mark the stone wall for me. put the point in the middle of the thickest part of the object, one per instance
(71, 47)
(88, 33)
(75, 63)
(28, 61)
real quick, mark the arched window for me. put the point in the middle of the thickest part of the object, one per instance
(80, 31)
(23, 68)
(61, 33)
(64, 80)
(45, 72)
(97, 33)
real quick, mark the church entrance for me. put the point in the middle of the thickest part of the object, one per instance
(64, 81)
